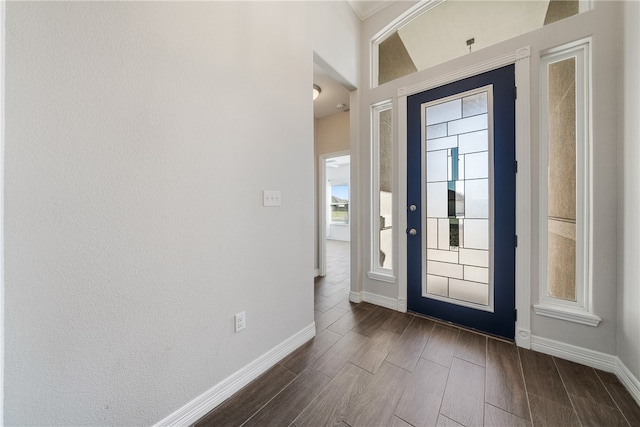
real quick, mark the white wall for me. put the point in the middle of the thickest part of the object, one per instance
(628, 332)
(136, 139)
(602, 24)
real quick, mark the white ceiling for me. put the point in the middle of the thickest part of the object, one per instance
(366, 8)
(333, 93)
(338, 161)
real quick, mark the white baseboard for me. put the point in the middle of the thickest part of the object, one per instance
(383, 301)
(355, 297)
(523, 337)
(203, 404)
(584, 356)
(592, 358)
(630, 382)
(376, 299)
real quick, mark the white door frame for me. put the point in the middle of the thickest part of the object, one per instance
(322, 208)
(521, 59)
(2, 116)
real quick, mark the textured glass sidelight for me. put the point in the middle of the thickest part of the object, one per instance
(385, 186)
(457, 165)
(561, 216)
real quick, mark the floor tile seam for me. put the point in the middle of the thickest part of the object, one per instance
(573, 395)
(337, 332)
(272, 398)
(537, 395)
(341, 316)
(400, 367)
(325, 351)
(437, 363)
(469, 361)
(484, 394)
(615, 405)
(364, 369)
(445, 392)
(421, 350)
(573, 406)
(319, 392)
(292, 423)
(399, 417)
(524, 382)
(509, 412)
(328, 294)
(351, 329)
(612, 397)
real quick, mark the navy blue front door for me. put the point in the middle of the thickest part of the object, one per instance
(461, 197)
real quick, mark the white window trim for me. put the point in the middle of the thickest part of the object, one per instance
(408, 16)
(375, 271)
(581, 310)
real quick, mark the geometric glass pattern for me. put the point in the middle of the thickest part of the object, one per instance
(457, 165)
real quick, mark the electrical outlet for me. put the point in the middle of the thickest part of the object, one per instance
(240, 321)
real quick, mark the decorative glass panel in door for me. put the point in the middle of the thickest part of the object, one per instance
(457, 199)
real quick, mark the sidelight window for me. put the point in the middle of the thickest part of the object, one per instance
(565, 205)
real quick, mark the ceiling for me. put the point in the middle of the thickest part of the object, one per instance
(338, 161)
(333, 94)
(365, 8)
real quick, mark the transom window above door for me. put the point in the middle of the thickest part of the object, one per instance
(437, 31)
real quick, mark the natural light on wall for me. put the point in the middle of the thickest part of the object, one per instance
(438, 31)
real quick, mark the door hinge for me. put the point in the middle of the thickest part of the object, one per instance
(515, 241)
(515, 314)
(515, 92)
(515, 167)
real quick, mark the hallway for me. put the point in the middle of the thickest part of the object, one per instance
(371, 366)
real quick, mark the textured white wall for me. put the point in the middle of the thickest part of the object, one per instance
(628, 333)
(139, 137)
(333, 134)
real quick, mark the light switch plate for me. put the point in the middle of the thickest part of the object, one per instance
(271, 198)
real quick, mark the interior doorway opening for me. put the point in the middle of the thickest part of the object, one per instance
(334, 213)
(332, 141)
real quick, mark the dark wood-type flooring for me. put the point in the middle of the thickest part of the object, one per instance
(371, 366)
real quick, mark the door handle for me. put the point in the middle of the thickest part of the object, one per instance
(413, 208)
(412, 231)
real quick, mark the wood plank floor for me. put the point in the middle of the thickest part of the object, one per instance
(371, 366)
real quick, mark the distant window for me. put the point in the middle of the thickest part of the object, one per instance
(340, 203)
